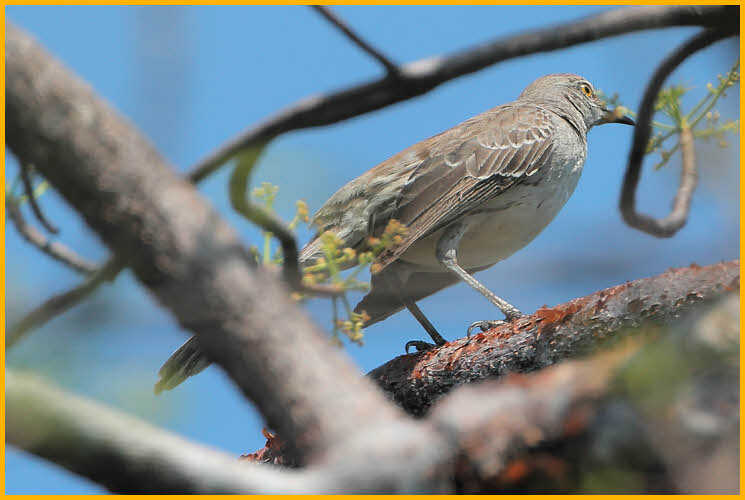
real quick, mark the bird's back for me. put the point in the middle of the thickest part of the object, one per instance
(363, 206)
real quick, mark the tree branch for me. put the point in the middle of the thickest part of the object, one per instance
(556, 429)
(58, 304)
(194, 264)
(123, 453)
(331, 17)
(550, 335)
(494, 423)
(55, 250)
(28, 188)
(670, 224)
(421, 76)
(663, 415)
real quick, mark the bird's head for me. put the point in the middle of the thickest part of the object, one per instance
(575, 98)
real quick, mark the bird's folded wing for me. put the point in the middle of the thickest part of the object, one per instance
(475, 162)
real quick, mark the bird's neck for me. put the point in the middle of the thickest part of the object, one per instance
(569, 111)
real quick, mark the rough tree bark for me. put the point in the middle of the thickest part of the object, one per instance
(576, 328)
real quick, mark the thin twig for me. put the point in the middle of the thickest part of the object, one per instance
(671, 223)
(688, 178)
(354, 37)
(238, 187)
(422, 76)
(55, 250)
(56, 305)
(268, 221)
(28, 187)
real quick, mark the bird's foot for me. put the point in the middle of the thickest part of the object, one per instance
(420, 345)
(489, 324)
(485, 325)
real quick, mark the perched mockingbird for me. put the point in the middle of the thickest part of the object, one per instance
(469, 198)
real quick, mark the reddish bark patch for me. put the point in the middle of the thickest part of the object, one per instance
(456, 355)
(417, 373)
(272, 452)
(550, 316)
(733, 285)
(577, 421)
(532, 467)
(420, 367)
(515, 471)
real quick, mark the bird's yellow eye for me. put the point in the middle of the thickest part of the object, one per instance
(587, 90)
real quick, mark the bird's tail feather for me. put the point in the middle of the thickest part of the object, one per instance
(311, 251)
(188, 360)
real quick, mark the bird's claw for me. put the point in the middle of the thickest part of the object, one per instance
(484, 325)
(488, 324)
(420, 345)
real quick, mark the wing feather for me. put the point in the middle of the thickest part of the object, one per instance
(473, 163)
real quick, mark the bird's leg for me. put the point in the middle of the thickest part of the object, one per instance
(395, 285)
(447, 254)
(420, 345)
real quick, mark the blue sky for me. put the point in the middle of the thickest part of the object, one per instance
(192, 77)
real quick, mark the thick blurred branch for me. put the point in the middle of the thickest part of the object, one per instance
(550, 335)
(122, 453)
(501, 427)
(194, 265)
(55, 250)
(421, 76)
(645, 417)
(670, 224)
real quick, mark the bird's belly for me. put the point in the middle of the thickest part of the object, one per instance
(502, 226)
(494, 236)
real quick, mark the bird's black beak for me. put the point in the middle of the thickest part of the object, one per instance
(615, 116)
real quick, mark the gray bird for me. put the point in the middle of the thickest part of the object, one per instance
(469, 197)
